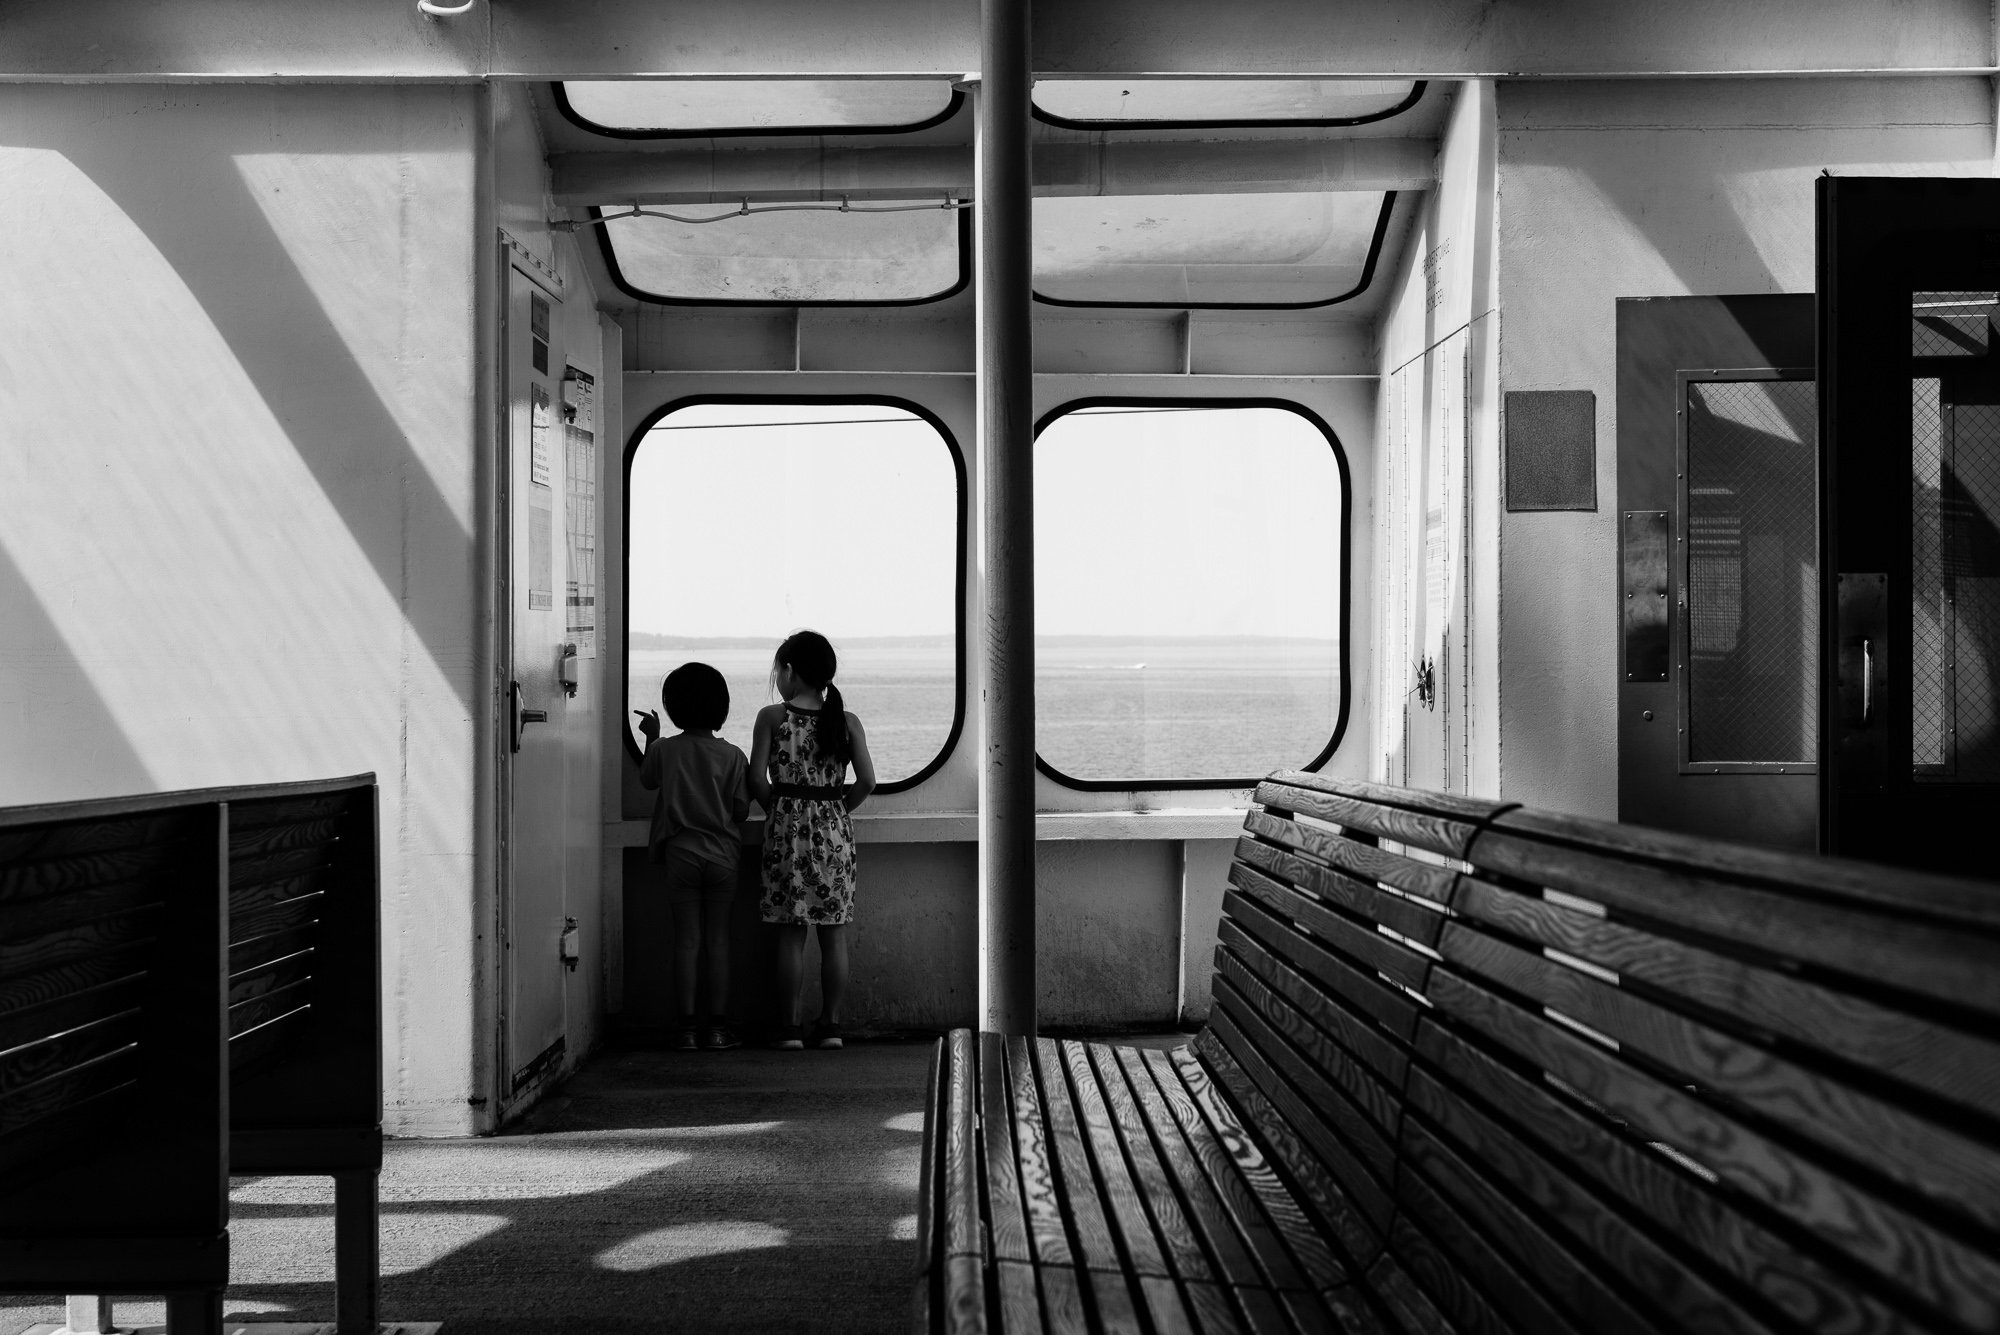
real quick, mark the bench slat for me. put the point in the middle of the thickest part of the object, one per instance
(77, 944)
(1438, 834)
(1009, 1231)
(1077, 1184)
(1944, 1166)
(1642, 1180)
(964, 1236)
(1935, 1268)
(54, 1095)
(55, 873)
(1171, 1226)
(1039, 1196)
(61, 1051)
(1434, 1275)
(1020, 1310)
(1406, 917)
(1369, 861)
(1063, 1311)
(1361, 943)
(50, 1000)
(1356, 1221)
(1113, 1177)
(1388, 1006)
(930, 1172)
(1922, 1052)
(1331, 1034)
(1943, 963)
(1252, 1189)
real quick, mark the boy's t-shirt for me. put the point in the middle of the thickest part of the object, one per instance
(702, 799)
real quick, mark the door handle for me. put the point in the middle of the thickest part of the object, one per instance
(1867, 679)
(519, 718)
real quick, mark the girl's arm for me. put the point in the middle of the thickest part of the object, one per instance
(864, 765)
(759, 776)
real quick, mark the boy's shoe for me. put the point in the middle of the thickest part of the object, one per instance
(789, 1038)
(683, 1041)
(718, 1038)
(826, 1037)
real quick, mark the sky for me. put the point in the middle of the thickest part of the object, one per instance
(748, 521)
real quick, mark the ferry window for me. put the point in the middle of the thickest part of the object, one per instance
(807, 257)
(1101, 103)
(748, 520)
(1282, 250)
(667, 108)
(1190, 592)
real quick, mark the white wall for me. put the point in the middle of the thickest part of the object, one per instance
(238, 498)
(1637, 189)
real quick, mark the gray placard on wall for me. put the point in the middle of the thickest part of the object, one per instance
(1551, 449)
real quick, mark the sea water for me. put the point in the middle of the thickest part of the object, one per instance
(1106, 709)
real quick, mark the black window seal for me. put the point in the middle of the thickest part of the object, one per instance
(1367, 278)
(660, 414)
(619, 280)
(1346, 570)
(582, 122)
(1327, 122)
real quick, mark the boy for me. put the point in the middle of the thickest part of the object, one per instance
(702, 800)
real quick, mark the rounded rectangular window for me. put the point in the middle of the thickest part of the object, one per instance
(1190, 592)
(1270, 251)
(680, 108)
(877, 255)
(747, 520)
(1112, 103)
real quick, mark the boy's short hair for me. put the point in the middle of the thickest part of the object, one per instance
(696, 696)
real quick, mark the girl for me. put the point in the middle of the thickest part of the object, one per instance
(799, 753)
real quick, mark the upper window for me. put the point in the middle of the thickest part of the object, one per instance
(685, 108)
(1276, 251)
(1099, 104)
(748, 520)
(802, 257)
(1190, 592)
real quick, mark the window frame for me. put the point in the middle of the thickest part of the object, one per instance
(1344, 584)
(1375, 244)
(1415, 96)
(660, 414)
(560, 95)
(623, 284)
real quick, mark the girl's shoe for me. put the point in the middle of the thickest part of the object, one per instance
(790, 1038)
(826, 1036)
(718, 1038)
(683, 1041)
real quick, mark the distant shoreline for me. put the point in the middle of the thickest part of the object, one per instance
(645, 640)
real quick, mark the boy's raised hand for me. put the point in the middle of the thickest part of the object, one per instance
(649, 725)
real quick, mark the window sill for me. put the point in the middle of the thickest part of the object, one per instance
(949, 827)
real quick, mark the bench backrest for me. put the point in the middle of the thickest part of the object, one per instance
(113, 1064)
(1540, 1073)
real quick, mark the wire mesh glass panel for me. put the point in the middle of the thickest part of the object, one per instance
(1969, 532)
(804, 256)
(1951, 324)
(1752, 582)
(1930, 709)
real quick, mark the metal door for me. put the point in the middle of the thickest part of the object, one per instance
(1909, 288)
(1718, 568)
(534, 904)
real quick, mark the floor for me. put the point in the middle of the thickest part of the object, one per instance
(740, 1191)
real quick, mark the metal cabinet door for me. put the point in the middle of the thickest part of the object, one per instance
(1717, 586)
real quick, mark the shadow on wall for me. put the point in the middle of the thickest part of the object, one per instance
(54, 719)
(250, 451)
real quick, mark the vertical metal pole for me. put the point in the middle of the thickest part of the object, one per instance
(1007, 524)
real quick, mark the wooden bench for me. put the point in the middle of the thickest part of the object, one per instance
(1475, 1068)
(189, 986)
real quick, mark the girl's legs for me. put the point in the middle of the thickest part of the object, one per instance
(791, 969)
(687, 948)
(832, 971)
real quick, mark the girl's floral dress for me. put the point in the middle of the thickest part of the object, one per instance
(808, 843)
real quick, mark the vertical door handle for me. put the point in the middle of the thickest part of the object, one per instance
(1867, 679)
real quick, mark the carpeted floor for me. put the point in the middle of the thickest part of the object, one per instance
(738, 1191)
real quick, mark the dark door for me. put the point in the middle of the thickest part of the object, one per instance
(1718, 558)
(1909, 283)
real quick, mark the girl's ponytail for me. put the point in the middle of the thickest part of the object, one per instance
(834, 741)
(811, 655)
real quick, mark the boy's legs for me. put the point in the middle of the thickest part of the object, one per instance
(684, 886)
(832, 971)
(718, 896)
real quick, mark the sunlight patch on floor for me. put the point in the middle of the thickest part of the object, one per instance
(909, 1121)
(514, 1168)
(690, 1242)
(903, 1228)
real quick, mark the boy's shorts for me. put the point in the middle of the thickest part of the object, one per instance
(691, 876)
